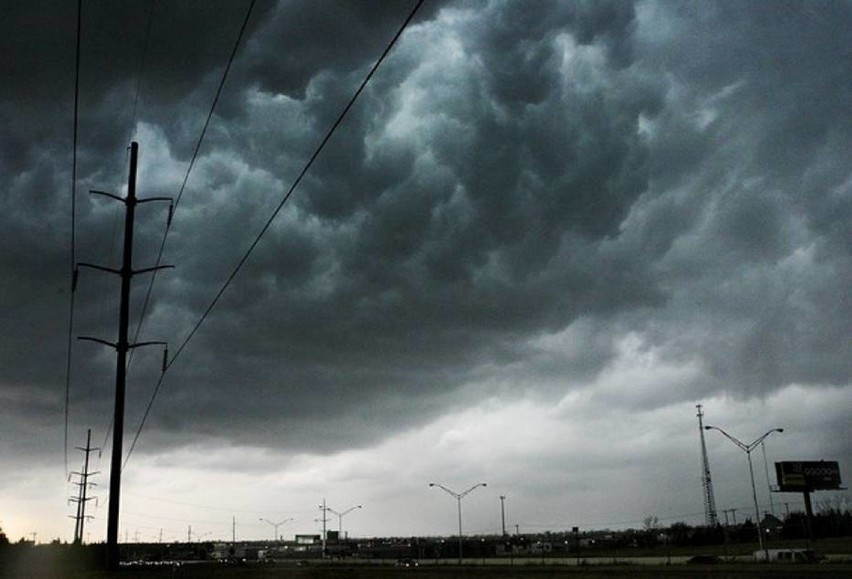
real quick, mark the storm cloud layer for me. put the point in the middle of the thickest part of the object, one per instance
(527, 197)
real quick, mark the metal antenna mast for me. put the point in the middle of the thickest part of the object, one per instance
(710, 518)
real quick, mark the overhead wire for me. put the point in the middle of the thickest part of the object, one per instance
(108, 430)
(192, 160)
(269, 221)
(189, 169)
(138, 91)
(73, 230)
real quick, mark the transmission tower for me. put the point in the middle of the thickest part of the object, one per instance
(84, 484)
(710, 518)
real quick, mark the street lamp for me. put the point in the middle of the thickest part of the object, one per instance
(340, 518)
(458, 497)
(747, 448)
(276, 525)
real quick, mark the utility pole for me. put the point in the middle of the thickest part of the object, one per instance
(324, 510)
(84, 483)
(503, 512)
(122, 346)
(768, 482)
(710, 518)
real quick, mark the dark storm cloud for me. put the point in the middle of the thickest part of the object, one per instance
(758, 267)
(412, 304)
(515, 172)
(303, 37)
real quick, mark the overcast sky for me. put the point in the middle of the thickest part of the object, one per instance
(542, 235)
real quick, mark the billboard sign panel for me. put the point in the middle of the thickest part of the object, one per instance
(806, 476)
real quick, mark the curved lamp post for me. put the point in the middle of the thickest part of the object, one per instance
(747, 448)
(458, 497)
(340, 516)
(276, 525)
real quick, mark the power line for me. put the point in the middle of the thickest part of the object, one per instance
(153, 277)
(189, 169)
(73, 231)
(73, 210)
(265, 228)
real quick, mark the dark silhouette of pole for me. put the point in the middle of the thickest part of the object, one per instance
(809, 513)
(324, 510)
(710, 517)
(122, 346)
(503, 513)
(81, 499)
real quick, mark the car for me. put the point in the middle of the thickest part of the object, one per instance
(406, 563)
(704, 560)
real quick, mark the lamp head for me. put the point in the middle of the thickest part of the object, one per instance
(779, 430)
(708, 428)
(484, 484)
(431, 484)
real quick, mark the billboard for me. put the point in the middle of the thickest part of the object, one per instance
(806, 476)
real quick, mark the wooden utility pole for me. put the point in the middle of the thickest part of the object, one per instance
(122, 346)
